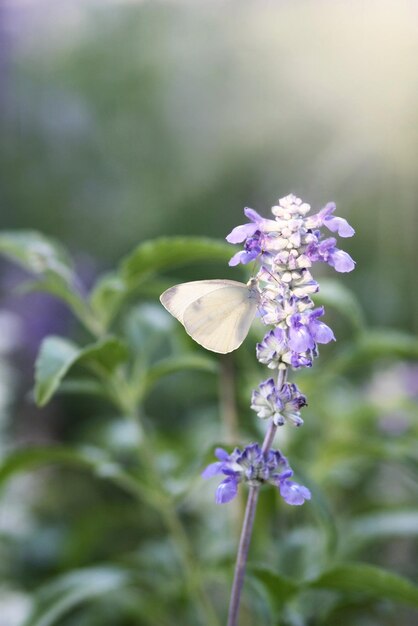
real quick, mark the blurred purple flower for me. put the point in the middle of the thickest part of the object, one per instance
(278, 404)
(254, 468)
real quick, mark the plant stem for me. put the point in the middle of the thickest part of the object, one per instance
(191, 568)
(163, 503)
(242, 555)
(247, 527)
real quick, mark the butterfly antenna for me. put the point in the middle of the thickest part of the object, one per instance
(272, 275)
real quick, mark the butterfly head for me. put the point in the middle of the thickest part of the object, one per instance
(253, 288)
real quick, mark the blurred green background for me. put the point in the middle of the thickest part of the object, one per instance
(125, 121)
(132, 120)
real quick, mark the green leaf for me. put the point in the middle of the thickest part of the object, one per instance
(106, 297)
(82, 386)
(375, 345)
(334, 294)
(57, 598)
(106, 354)
(382, 525)
(27, 459)
(149, 257)
(277, 588)
(372, 581)
(362, 449)
(35, 252)
(62, 288)
(149, 328)
(95, 460)
(57, 356)
(167, 253)
(174, 364)
(50, 263)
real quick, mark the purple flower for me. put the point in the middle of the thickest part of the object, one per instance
(254, 468)
(294, 494)
(300, 338)
(279, 405)
(256, 237)
(298, 360)
(286, 247)
(304, 285)
(227, 490)
(243, 232)
(270, 350)
(341, 261)
(252, 249)
(320, 332)
(292, 401)
(264, 401)
(290, 205)
(334, 224)
(327, 252)
(306, 330)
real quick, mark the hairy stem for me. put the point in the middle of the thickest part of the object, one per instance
(247, 527)
(242, 555)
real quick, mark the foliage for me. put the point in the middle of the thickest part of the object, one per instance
(138, 540)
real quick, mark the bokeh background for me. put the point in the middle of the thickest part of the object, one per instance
(125, 121)
(132, 120)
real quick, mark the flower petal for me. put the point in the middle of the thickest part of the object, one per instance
(341, 261)
(212, 470)
(253, 215)
(240, 233)
(226, 491)
(321, 332)
(300, 339)
(243, 257)
(294, 494)
(339, 225)
(221, 454)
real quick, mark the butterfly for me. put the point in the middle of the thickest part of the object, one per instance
(217, 314)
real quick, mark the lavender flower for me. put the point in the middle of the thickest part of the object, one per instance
(243, 232)
(334, 224)
(305, 330)
(255, 234)
(327, 252)
(279, 405)
(272, 348)
(254, 468)
(287, 247)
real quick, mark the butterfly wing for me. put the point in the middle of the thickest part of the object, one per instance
(178, 298)
(220, 320)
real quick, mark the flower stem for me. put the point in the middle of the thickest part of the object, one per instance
(167, 508)
(247, 527)
(242, 555)
(271, 431)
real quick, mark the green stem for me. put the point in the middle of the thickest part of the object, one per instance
(161, 501)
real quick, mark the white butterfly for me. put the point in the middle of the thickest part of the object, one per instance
(215, 313)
